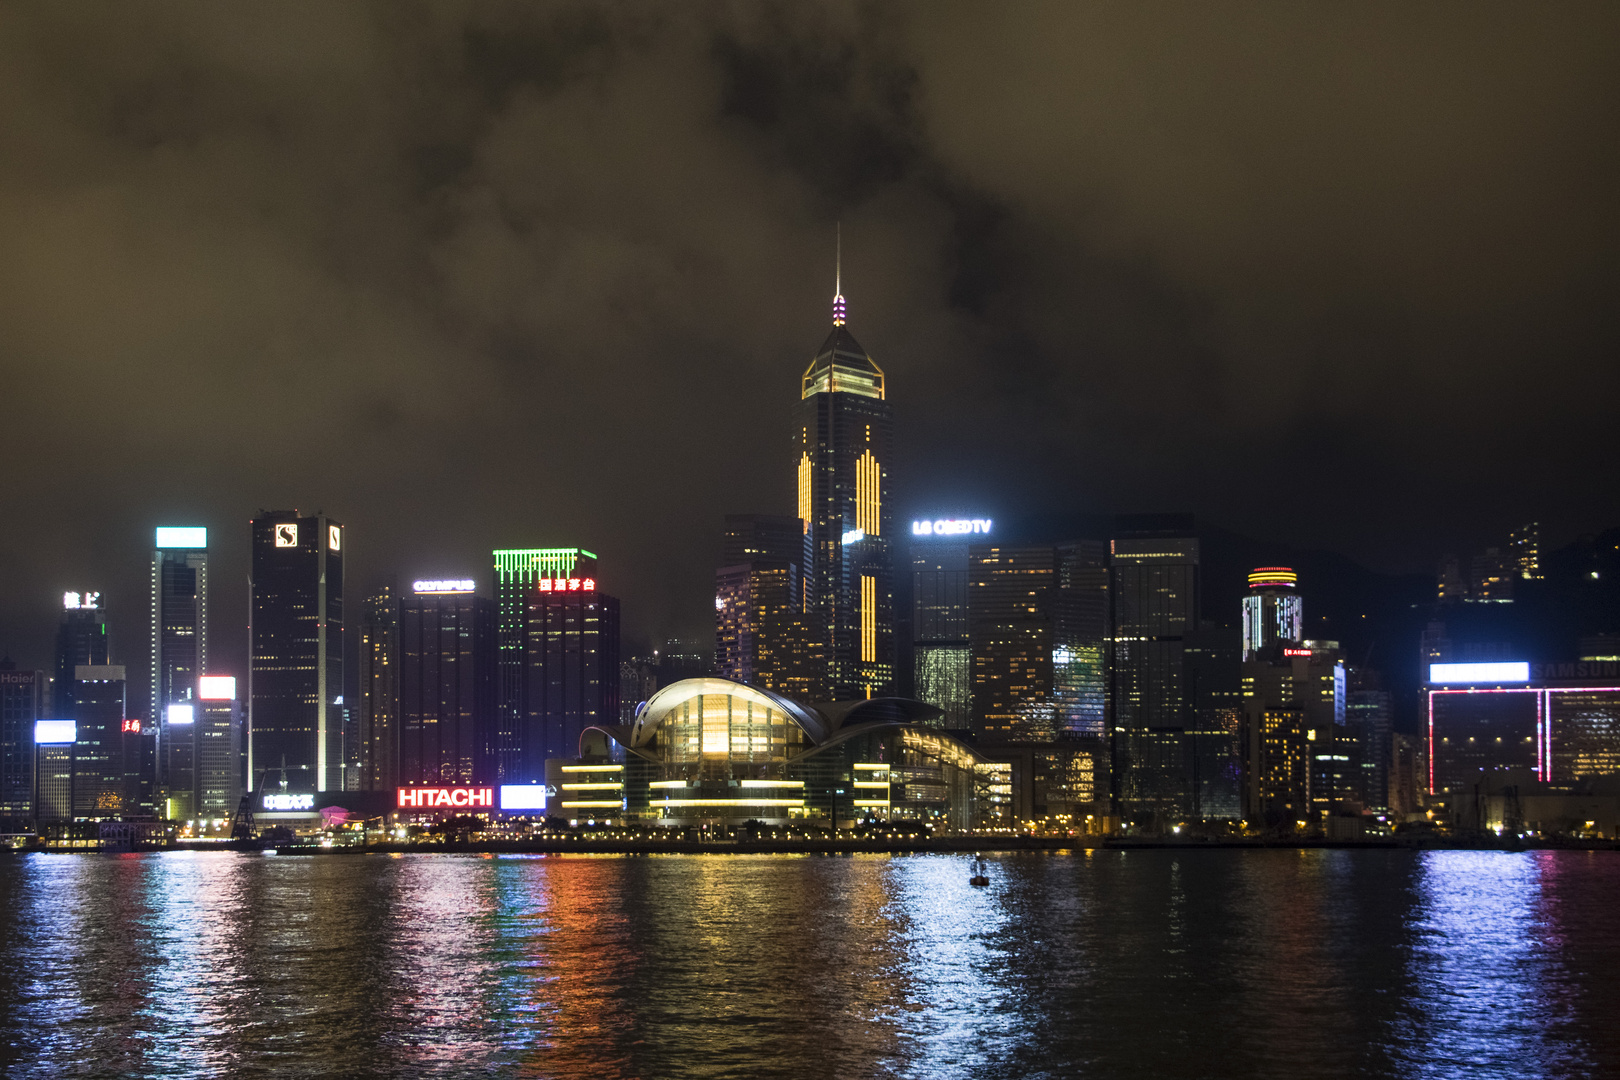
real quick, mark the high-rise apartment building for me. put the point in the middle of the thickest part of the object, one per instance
(1369, 713)
(1524, 544)
(941, 648)
(22, 702)
(1155, 595)
(764, 634)
(80, 639)
(379, 692)
(845, 436)
(446, 685)
(1273, 611)
(295, 634)
(179, 653)
(519, 757)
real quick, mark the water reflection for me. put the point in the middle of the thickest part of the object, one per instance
(1108, 964)
(1489, 994)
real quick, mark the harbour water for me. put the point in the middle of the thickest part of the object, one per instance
(1116, 964)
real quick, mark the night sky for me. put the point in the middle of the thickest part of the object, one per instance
(1343, 277)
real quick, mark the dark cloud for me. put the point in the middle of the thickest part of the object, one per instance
(483, 275)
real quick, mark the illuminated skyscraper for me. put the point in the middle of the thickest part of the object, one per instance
(1155, 605)
(295, 655)
(379, 693)
(764, 636)
(105, 743)
(941, 649)
(1273, 613)
(557, 657)
(22, 701)
(571, 677)
(446, 685)
(1525, 544)
(1038, 623)
(179, 649)
(845, 434)
(80, 639)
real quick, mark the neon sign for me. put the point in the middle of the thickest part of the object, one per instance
(1512, 671)
(1271, 577)
(132, 726)
(285, 801)
(72, 601)
(951, 527)
(286, 535)
(169, 537)
(458, 585)
(216, 687)
(1296, 652)
(433, 798)
(571, 584)
(854, 536)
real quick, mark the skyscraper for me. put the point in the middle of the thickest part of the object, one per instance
(1038, 624)
(571, 676)
(845, 434)
(295, 634)
(22, 702)
(104, 743)
(763, 634)
(379, 692)
(1273, 612)
(941, 650)
(179, 648)
(1155, 605)
(216, 784)
(518, 573)
(446, 684)
(80, 639)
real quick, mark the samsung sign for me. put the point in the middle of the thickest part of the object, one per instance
(951, 527)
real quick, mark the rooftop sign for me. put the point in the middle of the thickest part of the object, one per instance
(1505, 672)
(48, 732)
(951, 527)
(72, 601)
(432, 588)
(446, 798)
(170, 537)
(1271, 577)
(216, 687)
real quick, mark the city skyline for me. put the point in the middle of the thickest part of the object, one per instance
(1081, 327)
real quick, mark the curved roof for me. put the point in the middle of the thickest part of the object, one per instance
(659, 706)
(842, 365)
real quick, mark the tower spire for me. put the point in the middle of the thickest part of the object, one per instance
(839, 315)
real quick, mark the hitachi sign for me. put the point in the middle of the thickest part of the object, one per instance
(446, 798)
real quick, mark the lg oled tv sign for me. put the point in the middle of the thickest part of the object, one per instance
(446, 798)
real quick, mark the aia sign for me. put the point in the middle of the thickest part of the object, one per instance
(446, 798)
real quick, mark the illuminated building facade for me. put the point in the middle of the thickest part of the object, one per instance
(1038, 628)
(1295, 767)
(714, 750)
(179, 656)
(845, 436)
(571, 671)
(295, 657)
(1214, 662)
(81, 638)
(22, 701)
(764, 634)
(518, 572)
(1369, 712)
(1559, 722)
(941, 647)
(1524, 545)
(446, 685)
(52, 745)
(216, 785)
(106, 749)
(379, 692)
(1154, 590)
(1273, 611)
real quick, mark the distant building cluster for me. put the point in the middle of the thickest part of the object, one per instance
(931, 675)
